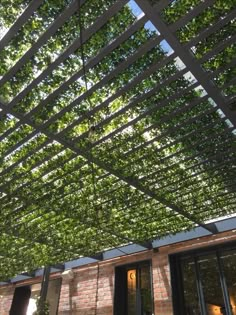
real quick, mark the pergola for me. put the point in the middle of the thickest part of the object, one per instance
(117, 124)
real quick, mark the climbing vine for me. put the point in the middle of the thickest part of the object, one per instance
(157, 142)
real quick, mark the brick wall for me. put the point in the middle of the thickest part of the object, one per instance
(161, 269)
(6, 296)
(91, 291)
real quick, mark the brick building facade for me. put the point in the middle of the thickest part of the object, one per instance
(92, 289)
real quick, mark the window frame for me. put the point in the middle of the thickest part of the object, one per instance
(123, 268)
(30, 284)
(176, 273)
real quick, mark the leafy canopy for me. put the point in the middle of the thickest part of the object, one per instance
(139, 153)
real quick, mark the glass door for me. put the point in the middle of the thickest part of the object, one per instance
(228, 260)
(212, 292)
(139, 294)
(206, 283)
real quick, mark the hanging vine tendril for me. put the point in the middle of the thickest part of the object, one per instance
(92, 128)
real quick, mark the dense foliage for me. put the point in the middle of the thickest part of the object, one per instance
(140, 154)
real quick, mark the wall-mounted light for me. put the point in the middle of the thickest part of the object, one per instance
(132, 275)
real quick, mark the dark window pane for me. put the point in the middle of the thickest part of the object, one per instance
(229, 266)
(20, 300)
(190, 288)
(145, 288)
(210, 278)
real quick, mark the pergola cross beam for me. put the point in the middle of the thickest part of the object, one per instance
(187, 57)
(32, 7)
(131, 181)
(52, 29)
(124, 126)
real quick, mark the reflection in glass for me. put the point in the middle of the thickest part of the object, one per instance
(145, 288)
(52, 298)
(229, 267)
(190, 288)
(210, 279)
(208, 285)
(35, 293)
(53, 295)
